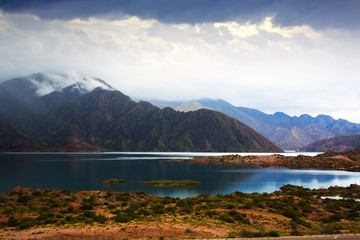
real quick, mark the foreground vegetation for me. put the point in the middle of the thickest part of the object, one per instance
(291, 211)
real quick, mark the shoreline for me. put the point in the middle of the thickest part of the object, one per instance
(348, 161)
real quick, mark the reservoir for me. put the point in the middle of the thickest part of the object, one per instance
(87, 171)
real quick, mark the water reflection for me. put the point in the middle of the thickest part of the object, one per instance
(87, 171)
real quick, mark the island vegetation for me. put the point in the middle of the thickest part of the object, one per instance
(172, 183)
(114, 180)
(62, 214)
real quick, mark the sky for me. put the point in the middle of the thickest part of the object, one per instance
(273, 55)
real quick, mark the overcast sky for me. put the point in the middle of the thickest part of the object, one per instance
(291, 56)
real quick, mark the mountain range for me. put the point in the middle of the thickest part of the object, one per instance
(290, 133)
(61, 112)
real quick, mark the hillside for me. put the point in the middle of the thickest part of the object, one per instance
(30, 213)
(112, 121)
(291, 133)
(335, 144)
(76, 118)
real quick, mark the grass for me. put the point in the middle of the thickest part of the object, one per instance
(172, 183)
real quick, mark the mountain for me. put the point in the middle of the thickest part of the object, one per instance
(19, 94)
(287, 132)
(334, 144)
(110, 120)
(73, 118)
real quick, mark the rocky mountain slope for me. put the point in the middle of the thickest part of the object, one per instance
(69, 119)
(334, 144)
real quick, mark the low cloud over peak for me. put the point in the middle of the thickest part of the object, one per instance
(47, 82)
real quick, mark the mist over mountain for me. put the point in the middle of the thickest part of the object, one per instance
(291, 133)
(21, 93)
(89, 115)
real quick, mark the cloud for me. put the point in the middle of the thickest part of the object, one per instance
(263, 65)
(48, 82)
(319, 14)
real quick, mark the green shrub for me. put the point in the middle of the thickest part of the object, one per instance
(290, 213)
(158, 208)
(226, 218)
(12, 222)
(26, 223)
(232, 234)
(24, 199)
(246, 234)
(230, 206)
(273, 233)
(66, 192)
(211, 213)
(295, 233)
(100, 218)
(89, 214)
(122, 218)
(87, 206)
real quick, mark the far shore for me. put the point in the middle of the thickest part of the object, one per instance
(348, 161)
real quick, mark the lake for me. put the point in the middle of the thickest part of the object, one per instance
(86, 171)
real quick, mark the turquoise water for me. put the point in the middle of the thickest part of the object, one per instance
(86, 171)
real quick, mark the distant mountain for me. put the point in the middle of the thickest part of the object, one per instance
(334, 144)
(190, 107)
(70, 119)
(291, 133)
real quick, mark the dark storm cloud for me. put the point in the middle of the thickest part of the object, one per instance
(317, 13)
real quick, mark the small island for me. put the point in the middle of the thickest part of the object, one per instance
(172, 183)
(114, 180)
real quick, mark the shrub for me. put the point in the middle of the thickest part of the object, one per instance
(89, 214)
(12, 222)
(26, 223)
(246, 234)
(158, 208)
(295, 233)
(230, 206)
(211, 213)
(24, 199)
(87, 206)
(226, 218)
(232, 234)
(100, 218)
(122, 218)
(66, 191)
(273, 233)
